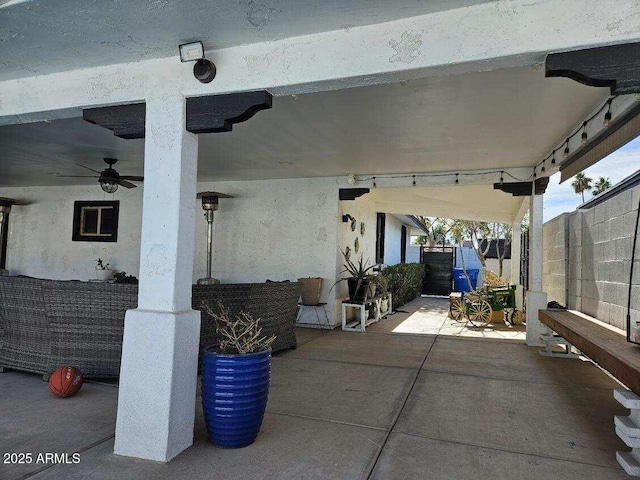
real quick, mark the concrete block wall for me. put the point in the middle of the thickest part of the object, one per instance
(598, 251)
(554, 254)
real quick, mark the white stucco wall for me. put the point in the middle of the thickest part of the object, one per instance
(494, 265)
(393, 239)
(276, 230)
(40, 242)
(363, 210)
(272, 229)
(413, 254)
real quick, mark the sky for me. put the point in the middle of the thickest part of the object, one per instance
(617, 166)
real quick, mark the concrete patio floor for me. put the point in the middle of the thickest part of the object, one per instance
(416, 397)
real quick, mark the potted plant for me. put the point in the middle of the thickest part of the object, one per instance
(311, 290)
(235, 379)
(360, 281)
(103, 272)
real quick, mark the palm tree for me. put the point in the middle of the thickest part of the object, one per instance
(581, 184)
(601, 185)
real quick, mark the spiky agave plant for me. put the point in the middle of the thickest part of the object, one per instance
(360, 271)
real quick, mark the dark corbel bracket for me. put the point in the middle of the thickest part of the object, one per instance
(351, 193)
(218, 113)
(523, 189)
(208, 114)
(616, 67)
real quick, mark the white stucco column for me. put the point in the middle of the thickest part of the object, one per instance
(536, 298)
(156, 401)
(516, 255)
(516, 252)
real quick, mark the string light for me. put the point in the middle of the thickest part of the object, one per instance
(542, 164)
(607, 116)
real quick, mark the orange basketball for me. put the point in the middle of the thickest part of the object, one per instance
(65, 382)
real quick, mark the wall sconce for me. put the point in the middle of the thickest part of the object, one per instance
(203, 70)
(347, 218)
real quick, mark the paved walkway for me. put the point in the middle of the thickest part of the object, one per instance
(381, 405)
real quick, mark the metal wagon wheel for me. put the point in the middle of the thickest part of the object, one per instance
(479, 313)
(516, 317)
(456, 309)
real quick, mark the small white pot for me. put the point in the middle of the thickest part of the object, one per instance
(103, 275)
(384, 305)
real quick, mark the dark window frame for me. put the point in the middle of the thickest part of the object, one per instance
(380, 237)
(78, 207)
(404, 233)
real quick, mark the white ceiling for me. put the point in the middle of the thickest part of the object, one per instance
(496, 119)
(471, 202)
(40, 36)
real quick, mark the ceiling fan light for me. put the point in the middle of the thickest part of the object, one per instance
(108, 186)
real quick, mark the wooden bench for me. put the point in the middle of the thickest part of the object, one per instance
(611, 351)
(605, 347)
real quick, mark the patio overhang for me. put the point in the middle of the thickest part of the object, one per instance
(451, 96)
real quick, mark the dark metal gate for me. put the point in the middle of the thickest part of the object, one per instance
(438, 278)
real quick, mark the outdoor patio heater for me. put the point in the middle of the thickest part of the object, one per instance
(210, 202)
(5, 209)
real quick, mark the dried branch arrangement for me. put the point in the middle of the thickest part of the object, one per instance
(241, 334)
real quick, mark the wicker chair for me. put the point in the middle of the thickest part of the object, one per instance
(275, 303)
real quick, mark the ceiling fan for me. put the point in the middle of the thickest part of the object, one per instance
(108, 178)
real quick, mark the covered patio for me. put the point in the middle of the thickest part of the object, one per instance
(378, 405)
(322, 121)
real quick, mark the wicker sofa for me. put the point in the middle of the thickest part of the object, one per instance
(275, 303)
(45, 324)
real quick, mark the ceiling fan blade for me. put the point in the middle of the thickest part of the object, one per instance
(126, 184)
(132, 177)
(88, 168)
(76, 176)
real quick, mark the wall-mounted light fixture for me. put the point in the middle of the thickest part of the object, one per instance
(203, 70)
(347, 218)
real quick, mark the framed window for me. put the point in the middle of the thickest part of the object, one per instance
(95, 221)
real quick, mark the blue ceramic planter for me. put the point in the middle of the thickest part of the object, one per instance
(235, 389)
